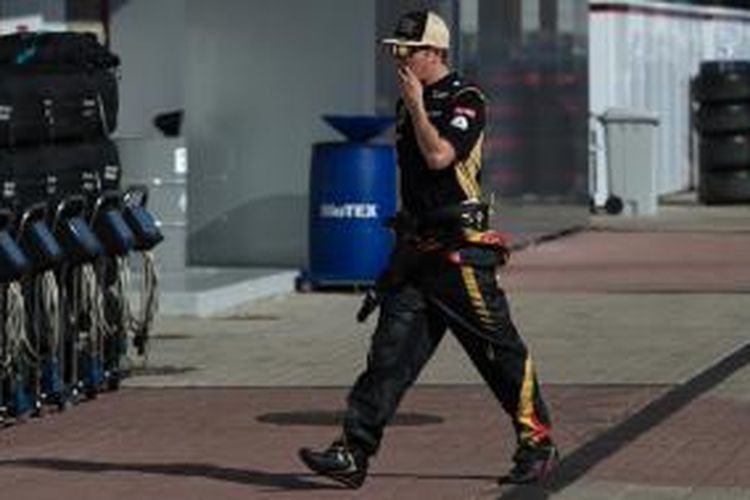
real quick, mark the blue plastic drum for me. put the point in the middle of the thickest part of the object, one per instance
(352, 192)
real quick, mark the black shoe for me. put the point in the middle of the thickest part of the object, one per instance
(532, 465)
(345, 464)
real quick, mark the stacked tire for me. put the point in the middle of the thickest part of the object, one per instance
(65, 225)
(722, 94)
(58, 107)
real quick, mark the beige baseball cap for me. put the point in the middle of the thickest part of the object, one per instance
(421, 28)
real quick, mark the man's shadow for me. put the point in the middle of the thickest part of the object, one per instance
(270, 480)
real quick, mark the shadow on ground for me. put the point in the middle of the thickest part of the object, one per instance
(284, 481)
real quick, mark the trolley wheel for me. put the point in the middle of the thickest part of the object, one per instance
(613, 205)
(113, 382)
(74, 396)
(303, 284)
(64, 404)
(38, 410)
(57, 401)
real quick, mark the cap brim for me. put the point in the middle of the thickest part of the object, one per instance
(399, 41)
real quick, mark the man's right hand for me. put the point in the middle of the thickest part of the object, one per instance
(411, 89)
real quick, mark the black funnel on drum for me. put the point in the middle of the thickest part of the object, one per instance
(359, 128)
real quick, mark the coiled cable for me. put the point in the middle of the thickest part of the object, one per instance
(141, 320)
(15, 325)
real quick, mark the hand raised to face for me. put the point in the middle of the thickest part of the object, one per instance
(410, 87)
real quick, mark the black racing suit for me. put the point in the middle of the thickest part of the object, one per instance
(442, 276)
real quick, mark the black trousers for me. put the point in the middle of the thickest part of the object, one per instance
(414, 316)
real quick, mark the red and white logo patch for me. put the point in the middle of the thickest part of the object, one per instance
(460, 110)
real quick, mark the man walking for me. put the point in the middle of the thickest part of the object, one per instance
(441, 274)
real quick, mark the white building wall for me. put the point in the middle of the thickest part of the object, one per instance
(149, 37)
(258, 77)
(643, 55)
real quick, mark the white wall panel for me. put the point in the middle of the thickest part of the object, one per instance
(643, 55)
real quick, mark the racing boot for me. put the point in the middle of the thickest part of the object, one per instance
(533, 464)
(342, 462)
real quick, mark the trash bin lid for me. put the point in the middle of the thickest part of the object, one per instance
(623, 115)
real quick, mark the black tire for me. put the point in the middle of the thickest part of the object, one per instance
(725, 187)
(723, 119)
(76, 51)
(724, 66)
(724, 153)
(722, 87)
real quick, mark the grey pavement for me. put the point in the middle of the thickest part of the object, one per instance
(661, 330)
(313, 340)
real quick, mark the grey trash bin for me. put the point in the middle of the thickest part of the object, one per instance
(630, 143)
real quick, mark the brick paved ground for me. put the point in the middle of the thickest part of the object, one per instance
(620, 319)
(241, 443)
(640, 262)
(222, 443)
(706, 445)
